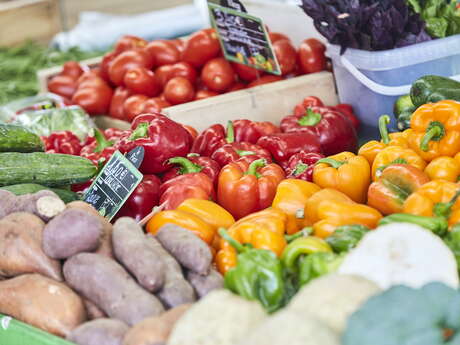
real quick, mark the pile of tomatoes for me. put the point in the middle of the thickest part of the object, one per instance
(142, 77)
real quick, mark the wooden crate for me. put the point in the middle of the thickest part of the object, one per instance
(28, 19)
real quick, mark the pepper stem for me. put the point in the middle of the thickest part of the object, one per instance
(234, 243)
(444, 209)
(252, 170)
(244, 153)
(434, 132)
(140, 132)
(305, 232)
(186, 165)
(230, 133)
(384, 120)
(299, 169)
(101, 141)
(332, 162)
(311, 119)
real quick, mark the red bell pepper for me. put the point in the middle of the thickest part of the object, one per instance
(233, 152)
(284, 145)
(250, 131)
(144, 198)
(300, 165)
(246, 188)
(93, 94)
(63, 142)
(192, 164)
(161, 138)
(192, 131)
(335, 131)
(195, 185)
(211, 139)
(347, 110)
(99, 150)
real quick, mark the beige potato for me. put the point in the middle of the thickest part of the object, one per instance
(21, 247)
(107, 284)
(93, 311)
(155, 330)
(42, 302)
(99, 332)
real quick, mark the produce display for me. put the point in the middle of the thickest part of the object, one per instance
(143, 77)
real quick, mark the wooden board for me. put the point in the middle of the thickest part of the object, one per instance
(28, 19)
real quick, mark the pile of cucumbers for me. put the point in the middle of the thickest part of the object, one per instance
(427, 89)
(25, 168)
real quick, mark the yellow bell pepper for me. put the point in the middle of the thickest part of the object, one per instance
(435, 198)
(395, 155)
(346, 172)
(291, 196)
(212, 213)
(370, 149)
(312, 205)
(436, 130)
(185, 220)
(333, 214)
(443, 168)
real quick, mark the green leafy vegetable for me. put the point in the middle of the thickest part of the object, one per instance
(402, 315)
(18, 67)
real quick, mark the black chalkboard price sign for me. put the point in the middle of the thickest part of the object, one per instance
(114, 184)
(243, 38)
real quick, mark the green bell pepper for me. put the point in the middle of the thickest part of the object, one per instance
(258, 275)
(346, 237)
(438, 225)
(317, 265)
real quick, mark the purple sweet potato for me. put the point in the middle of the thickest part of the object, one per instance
(205, 284)
(99, 332)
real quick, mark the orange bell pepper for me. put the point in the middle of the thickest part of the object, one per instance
(244, 188)
(394, 186)
(311, 207)
(185, 220)
(436, 198)
(395, 155)
(263, 230)
(443, 168)
(333, 214)
(291, 198)
(436, 130)
(370, 149)
(345, 172)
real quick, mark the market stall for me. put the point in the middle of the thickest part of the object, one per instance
(237, 186)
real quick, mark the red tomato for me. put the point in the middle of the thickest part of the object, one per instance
(179, 90)
(237, 86)
(277, 36)
(246, 73)
(143, 81)
(129, 42)
(180, 69)
(94, 95)
(218, 75)
(118, 100)
(127, 61)
(312, 56)
(163, 52)
(266, 79)
(134, 106)
(201, 47)
(63, 85)
(72, 69)
(286, 56)
(105, 63)
(153, 105)
(179, 43)
(202, 94)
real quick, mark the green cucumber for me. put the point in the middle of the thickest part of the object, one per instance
(19, 139)
(31, 188)
(432, 88)
(52, 170)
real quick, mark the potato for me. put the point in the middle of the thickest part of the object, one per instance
(205, 284)
(7, 203)
(191, 251)
(176, 290)
(42, 302)
(105, 248)
(71, 232)
(106, 283)
(155, 330)
(21, 247)
(133, 252)
(92, 310)
(99, 332)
